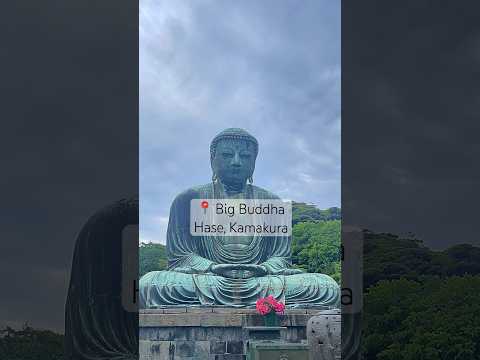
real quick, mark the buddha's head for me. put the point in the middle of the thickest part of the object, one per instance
(232, 155)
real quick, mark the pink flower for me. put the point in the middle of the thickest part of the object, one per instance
(266, 305)
(263, 306)
(279, 307)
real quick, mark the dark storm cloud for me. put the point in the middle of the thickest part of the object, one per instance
(270, 67)
(70, 144)
(410, 107)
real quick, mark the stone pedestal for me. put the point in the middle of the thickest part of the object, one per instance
(324, 335)
(269, 333)
(213, 333)
(275, 350)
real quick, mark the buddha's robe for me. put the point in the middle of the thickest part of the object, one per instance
(198, 253)
(97, 325)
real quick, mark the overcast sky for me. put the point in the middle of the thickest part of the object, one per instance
(410, 109)
(70, 142)
(270, 67)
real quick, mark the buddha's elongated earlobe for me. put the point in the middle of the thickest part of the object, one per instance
(214, 178)
(250, 180)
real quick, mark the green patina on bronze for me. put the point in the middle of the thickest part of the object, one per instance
(230, 270)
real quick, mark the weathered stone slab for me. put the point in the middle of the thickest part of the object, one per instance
(263, 332)
(222, 310)
(235, 347)
(323, 333)
(230, 357)
(218, 347)
(213, 333)
(259, 350)
(219, 318)
(155, 350)
(190, 333)
(190, 319)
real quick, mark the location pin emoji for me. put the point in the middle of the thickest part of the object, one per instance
(204, 205)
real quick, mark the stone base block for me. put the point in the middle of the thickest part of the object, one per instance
(213, 333)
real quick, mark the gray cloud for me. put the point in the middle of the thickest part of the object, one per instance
(410, 118)
(70, 141)
(270, 67)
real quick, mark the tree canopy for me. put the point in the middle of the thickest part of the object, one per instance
(316, 247)
(30, 344)
(152, 257)
(433, 319)
(388, 257)
(303, 212)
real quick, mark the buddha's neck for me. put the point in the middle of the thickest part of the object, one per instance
(234, 189)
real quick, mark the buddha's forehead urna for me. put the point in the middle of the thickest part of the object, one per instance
(232, 134)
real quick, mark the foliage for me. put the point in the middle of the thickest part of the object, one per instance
(302, 212)
(419, 303)
(435, 318)
(458, 260)
(30, 344)
(388, 257)
(152, 257)
(316, 247)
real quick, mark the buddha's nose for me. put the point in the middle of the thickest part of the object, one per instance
(236, 161)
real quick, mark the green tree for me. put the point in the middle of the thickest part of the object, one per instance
(152, 257)
(316, 247)
(30, 344)
(388, 257)
(432, 319)
(302, 212)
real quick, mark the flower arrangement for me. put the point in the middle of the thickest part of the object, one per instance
(269, 305)
(269, 308)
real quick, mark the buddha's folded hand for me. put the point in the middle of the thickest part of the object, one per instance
(223, 269)
(257, 270)
(291, 272)
(239, 274)
(185, 270)
(238, 271)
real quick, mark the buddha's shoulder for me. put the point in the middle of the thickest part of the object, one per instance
(261, 193)
(205, 192)
(196, 192)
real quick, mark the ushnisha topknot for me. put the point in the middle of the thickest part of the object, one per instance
(232, 133)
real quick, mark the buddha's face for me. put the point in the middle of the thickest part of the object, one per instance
(234, 161)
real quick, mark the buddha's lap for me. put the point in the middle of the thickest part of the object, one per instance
(291, 283)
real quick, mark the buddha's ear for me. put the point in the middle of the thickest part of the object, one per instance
(212, 163)
(253, 166)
